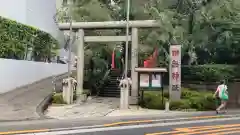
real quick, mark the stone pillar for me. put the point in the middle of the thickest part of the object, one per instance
(134, 63)
(175, 72)
(124, 94)
(68, 90)
(80, 63)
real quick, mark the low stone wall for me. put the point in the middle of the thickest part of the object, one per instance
(18, 73)
(234, 94)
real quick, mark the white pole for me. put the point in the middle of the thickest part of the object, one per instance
(127, 39)
(70, 44)
(80, 64)
(126, 90)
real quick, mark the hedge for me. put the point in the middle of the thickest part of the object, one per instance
(190, 100)
(210, 73)
(57, 98)
(15, 38)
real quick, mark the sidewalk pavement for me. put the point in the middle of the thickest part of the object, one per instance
(98, 107)
(107, 107)
(22, 103)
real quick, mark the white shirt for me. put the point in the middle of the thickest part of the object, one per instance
(220, 88)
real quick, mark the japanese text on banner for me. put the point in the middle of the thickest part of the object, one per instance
(175, 68)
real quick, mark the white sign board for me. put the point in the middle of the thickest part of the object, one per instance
(144, 80)
(175, 72)
(156, 81)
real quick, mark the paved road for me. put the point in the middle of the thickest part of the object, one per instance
(175, 126)
(21, 104)
(224, 127)
(100, 121)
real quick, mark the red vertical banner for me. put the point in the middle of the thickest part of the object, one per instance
(175, 72)
(113, 59)
(151, 61)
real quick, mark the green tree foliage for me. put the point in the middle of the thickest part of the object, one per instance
(208, 30)
(15, 38)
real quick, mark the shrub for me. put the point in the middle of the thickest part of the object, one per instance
(200, 101)
(58, 99)
(152, 100)
(204, 102)
(209, 73)
(186, 93)
(179, 105)
(15, 36)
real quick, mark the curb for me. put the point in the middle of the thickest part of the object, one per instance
(40, 109)
(43, 106)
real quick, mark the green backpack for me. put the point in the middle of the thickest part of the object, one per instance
(224, 94)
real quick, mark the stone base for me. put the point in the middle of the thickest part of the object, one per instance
(133, 100)
(81, 98)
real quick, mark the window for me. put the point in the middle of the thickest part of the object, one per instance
(64, 2)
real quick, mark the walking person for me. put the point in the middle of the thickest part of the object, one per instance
(222, 93)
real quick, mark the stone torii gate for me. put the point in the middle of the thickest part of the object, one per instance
(79, 28)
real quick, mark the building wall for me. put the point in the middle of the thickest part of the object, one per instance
(36, 13)
(64, 3)
(17, 73)
(59, 4)
(13, 9)
(39, 14)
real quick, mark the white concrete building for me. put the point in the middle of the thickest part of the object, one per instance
(63, 6)
(36, 13)
(64, 3)
(39, 14)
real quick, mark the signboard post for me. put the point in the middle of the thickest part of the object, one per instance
(150, 79)
(156, 81)
(175, 72)
(144, 80)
